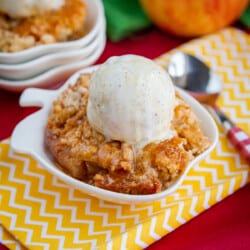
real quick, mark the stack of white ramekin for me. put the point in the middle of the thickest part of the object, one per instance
(44, 65)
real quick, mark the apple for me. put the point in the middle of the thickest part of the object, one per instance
(191, 18)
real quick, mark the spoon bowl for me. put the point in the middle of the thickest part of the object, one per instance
(191, 74)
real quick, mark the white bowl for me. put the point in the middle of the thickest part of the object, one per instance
(95, 14)
(56, 74)
(33, 143)
(39, 65)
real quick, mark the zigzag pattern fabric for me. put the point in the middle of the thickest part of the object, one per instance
(44, 213)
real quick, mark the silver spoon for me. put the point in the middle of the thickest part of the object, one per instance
(193, 75)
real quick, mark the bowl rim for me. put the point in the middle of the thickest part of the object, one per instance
(42, 49)
(18, 72)
(52, 74)
(49, 56)
(45, 98)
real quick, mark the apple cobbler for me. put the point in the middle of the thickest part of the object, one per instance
(87, 155)
(53, 26)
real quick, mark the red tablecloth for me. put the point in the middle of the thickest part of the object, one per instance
(225, 225)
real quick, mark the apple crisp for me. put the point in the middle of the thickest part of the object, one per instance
(54, 26)
(87, 155)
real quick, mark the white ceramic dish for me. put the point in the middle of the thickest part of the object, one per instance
(95, 14)
(39, 65)
(33, 143)
(56, 74)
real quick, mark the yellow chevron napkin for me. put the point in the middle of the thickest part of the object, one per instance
(42, 212)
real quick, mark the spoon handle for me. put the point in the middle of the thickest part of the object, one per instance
(241, 141)
(238, 137)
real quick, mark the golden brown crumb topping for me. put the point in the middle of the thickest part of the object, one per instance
(85, 154)
(54, 26)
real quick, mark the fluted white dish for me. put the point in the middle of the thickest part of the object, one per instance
(39, 65)
(94, 19)
(58, 73)
(33, 143)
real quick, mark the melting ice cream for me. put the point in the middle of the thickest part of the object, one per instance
(131, 99)
(26, 8)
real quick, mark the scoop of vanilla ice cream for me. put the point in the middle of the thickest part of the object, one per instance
(131, 99)
(26, 8)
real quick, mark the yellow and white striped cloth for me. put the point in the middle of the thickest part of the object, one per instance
(38, 211)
